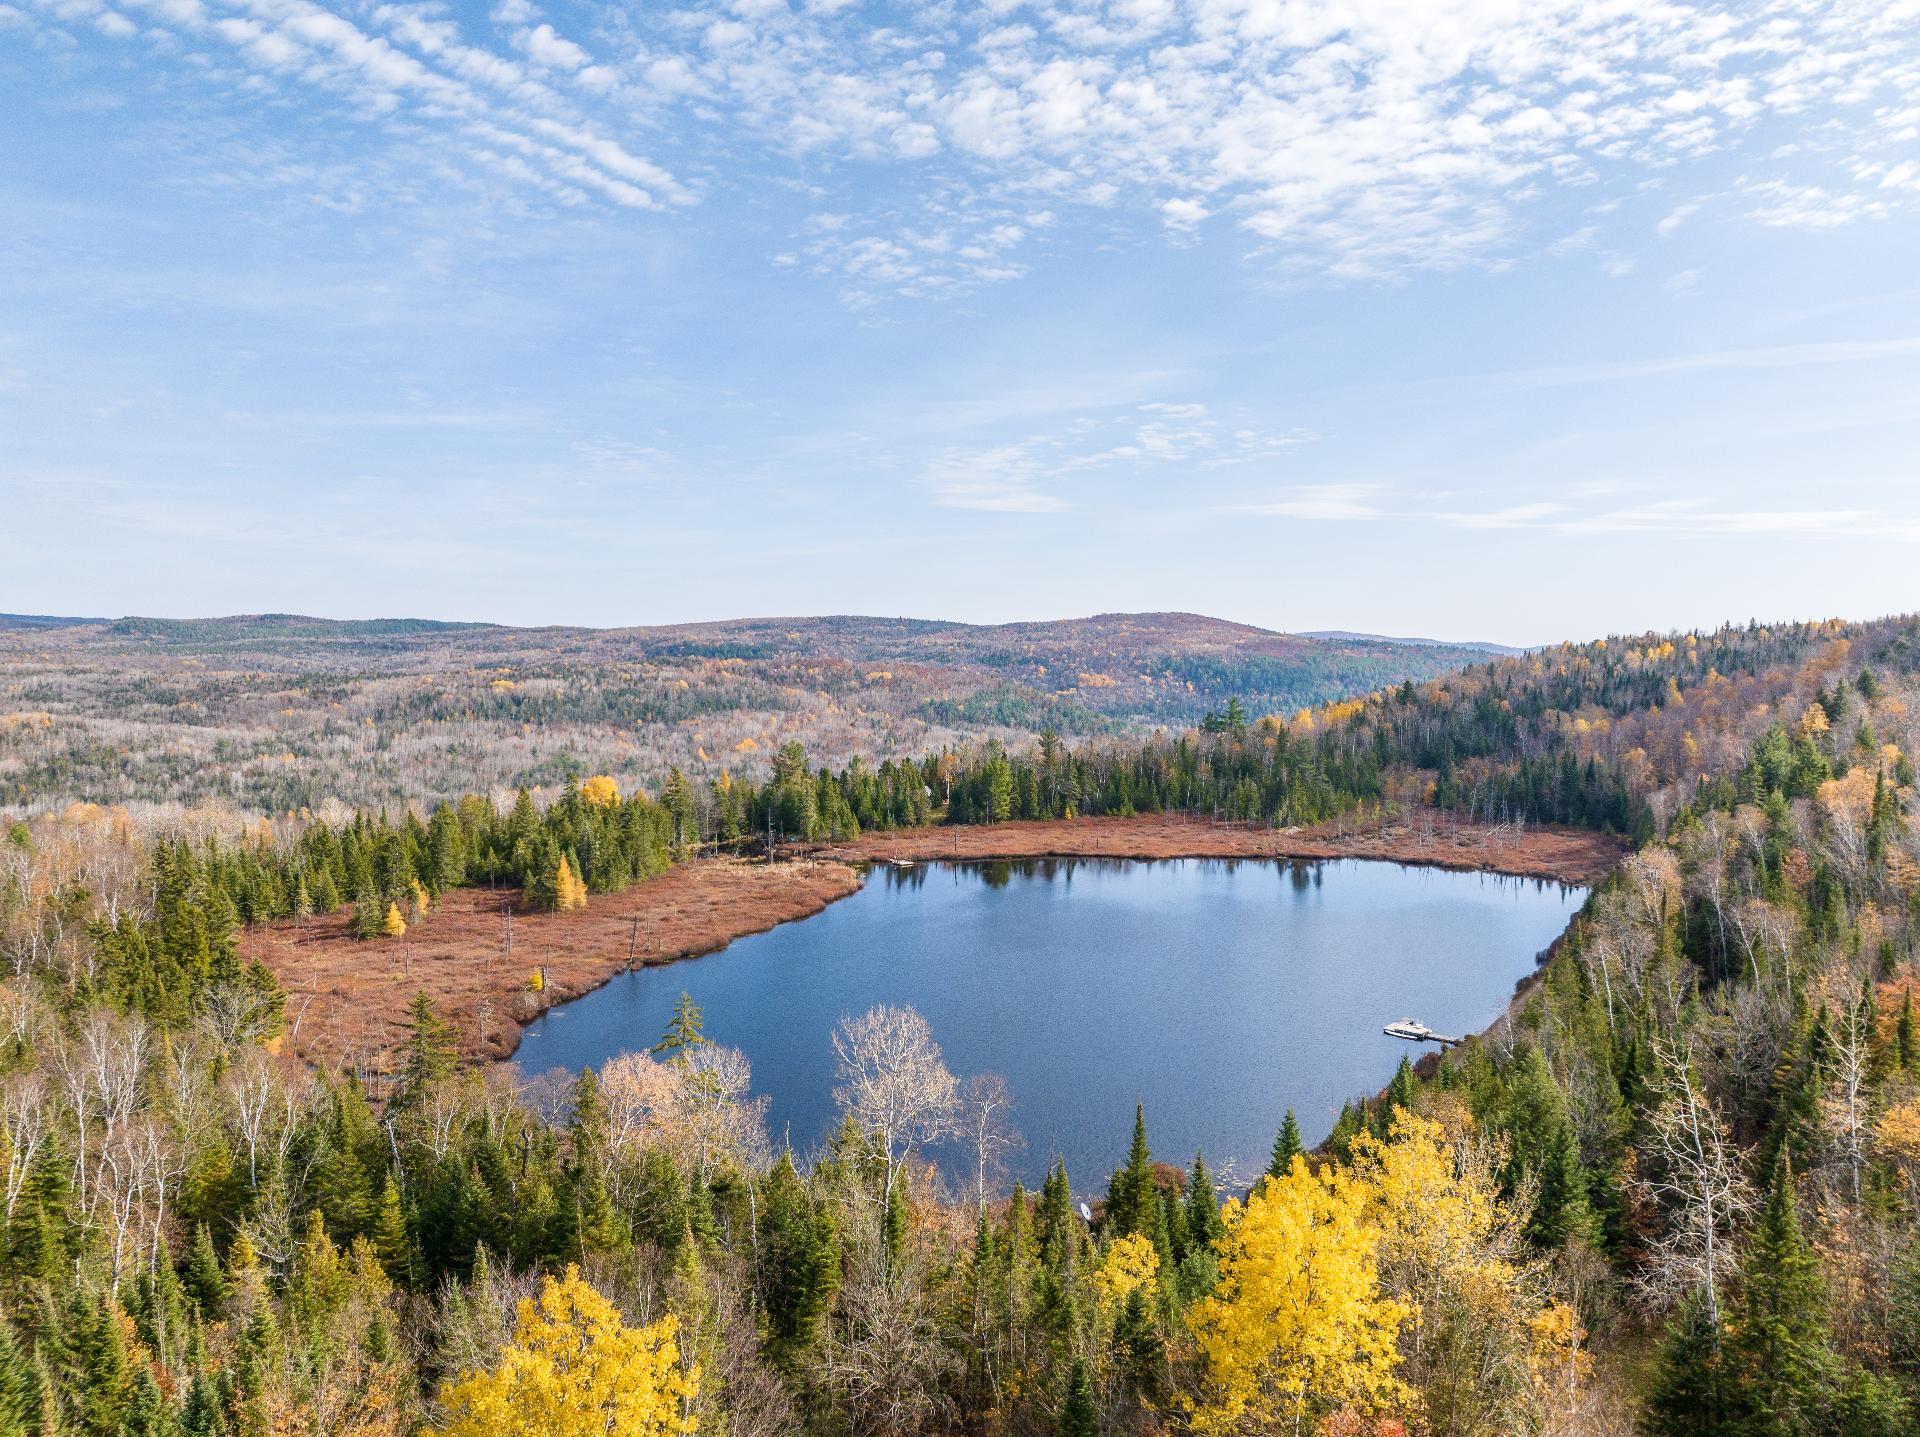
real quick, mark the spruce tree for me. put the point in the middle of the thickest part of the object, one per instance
(1560, 1208)
(685, 1031)
(1133, 1198)
(1688, 1393)
(1779, 1365)
(1286, 1147)
(1204, 1223)
(1401, 1093)
(799, 1264)
(206, 1282)
(433, 1047)
(1078, 1417)
(21, 1413)
(391, 1244)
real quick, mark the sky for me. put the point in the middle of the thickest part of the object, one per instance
(1509, 320)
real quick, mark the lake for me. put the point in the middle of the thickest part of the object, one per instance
(1217, 992)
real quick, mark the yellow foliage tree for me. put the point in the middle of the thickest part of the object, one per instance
(1298, 1326)
(1131, 1262)
(1486, 1348)
(568, 890)
(573, 1369)
(600, 792)
(393, 925)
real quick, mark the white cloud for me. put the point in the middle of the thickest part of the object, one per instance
(1352, 139)
(556, 52)
(1576, 513)
(1144, 442)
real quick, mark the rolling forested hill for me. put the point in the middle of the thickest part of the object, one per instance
(281, 712)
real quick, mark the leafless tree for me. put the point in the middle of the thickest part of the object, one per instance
(1843, 1107)
(1695, 1176)
(985, 1117)
(250, 1089)
(893, 1083)
(24, 1120)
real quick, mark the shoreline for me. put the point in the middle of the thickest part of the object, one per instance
(1563, 855)
(347, 998)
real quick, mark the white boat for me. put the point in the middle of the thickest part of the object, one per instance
(1414, 1031)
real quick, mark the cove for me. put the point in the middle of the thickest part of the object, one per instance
(1216, 992)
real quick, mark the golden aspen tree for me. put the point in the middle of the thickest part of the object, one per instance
(1298, 1326)
(574, 1368)
(600, 792)
(1132, 1262)
(1478, 1348)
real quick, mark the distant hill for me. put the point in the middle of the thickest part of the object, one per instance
(281, 711)
(1508, 649)
(43, 621)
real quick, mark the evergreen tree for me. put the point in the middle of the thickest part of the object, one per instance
(1078, 1417)
(1286, 1147)
(206, 1282)
(1204, 1223)
(391, 1243)
(1688, 1395)
(432, 1048)
(1133, 1198)
(799, 1265)
(1560, 1209)
(1780, 1370)
(21, 1412)
(684, 1031)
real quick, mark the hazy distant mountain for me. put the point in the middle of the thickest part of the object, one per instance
(1484, 648)
(42, 621)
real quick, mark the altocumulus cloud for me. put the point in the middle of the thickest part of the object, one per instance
(1357, 137)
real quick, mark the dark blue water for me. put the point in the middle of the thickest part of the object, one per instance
(1216, 992)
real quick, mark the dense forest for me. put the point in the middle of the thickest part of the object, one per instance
(1675, 1190)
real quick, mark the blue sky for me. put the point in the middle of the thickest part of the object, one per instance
(1504, 319)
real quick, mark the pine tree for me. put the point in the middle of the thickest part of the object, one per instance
(1286, 1147)
(1078, 1418)
(1906, 1055)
